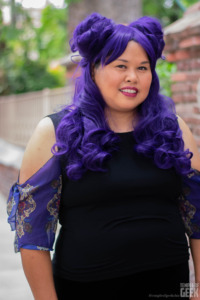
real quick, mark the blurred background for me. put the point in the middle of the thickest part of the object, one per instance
(36, 78)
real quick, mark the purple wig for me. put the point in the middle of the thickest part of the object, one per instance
(83, 135)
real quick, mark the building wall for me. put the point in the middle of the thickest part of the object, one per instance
(183, 48)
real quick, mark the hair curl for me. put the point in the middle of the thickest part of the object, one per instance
(83, 135)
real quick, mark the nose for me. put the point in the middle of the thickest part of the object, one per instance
(131, 76)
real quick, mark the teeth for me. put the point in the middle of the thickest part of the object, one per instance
(129, 91)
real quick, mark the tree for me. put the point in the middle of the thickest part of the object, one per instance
(22, 66)
(51, 36)
(167, 11)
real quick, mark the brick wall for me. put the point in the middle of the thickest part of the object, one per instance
(183, 47)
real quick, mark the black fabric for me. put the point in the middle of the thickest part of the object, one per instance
(57, 117)
(163, 283)
(120, 222)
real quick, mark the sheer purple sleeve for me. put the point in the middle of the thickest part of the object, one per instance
(33, 208)
(189, 204)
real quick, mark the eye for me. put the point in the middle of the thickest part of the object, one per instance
(142, 68)
(121, 66)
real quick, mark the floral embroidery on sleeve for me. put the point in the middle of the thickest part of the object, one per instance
(25, 208)
(187, 213)
(189, 204)
(33, 208)
(53, 207)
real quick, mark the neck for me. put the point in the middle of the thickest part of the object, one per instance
(120, 121)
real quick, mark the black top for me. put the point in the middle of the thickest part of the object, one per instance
(120, 222)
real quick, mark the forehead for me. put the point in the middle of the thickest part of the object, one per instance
(133, 51)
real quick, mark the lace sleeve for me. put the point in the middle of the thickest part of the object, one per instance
(189, 204)
(33, 208)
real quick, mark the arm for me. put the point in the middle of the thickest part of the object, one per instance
(37, 263)
(38, 270)
(195, 164)
(195, 250)
(190, 144)
(38, 150)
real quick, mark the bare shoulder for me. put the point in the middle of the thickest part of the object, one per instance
(38, 150)
(190, 143)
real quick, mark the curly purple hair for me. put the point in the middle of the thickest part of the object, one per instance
(83, 135)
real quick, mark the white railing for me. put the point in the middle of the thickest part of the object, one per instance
(19, 114)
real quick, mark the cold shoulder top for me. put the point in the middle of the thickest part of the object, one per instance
(132, 218)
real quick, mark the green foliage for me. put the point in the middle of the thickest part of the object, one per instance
(157, 9)
(188, 3)
(51, 36)
(30, 76)
(67, 2)
(164, 70)
(59, 74)
(26, 51)
(167, 11)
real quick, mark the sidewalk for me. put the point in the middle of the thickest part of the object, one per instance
(13, 284)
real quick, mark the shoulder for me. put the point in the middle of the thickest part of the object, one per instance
(57, 117)
(38, 150)
(44, 129)
(190, 143)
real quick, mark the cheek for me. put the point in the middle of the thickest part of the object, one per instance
(147, 83)
(108, 84)
(101, 79)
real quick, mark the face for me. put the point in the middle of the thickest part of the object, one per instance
(124, 83)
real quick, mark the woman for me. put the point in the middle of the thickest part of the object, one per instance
(121, 158)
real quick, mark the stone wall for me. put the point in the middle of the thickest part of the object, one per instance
(183, 47)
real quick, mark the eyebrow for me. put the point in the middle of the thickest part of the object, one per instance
(142, 63)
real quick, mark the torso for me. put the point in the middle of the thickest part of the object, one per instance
(120, 222)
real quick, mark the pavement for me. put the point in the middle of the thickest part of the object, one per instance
(13, 283)
(10, 155)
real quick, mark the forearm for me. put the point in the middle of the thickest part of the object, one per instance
(38, 270)
(195, 251)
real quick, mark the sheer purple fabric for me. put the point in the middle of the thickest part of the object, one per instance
(189, 204)
(33, 208)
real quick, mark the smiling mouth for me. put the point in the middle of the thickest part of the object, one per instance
(129, 92)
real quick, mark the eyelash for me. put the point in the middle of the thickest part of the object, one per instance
(121, 66)
(142, 68)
